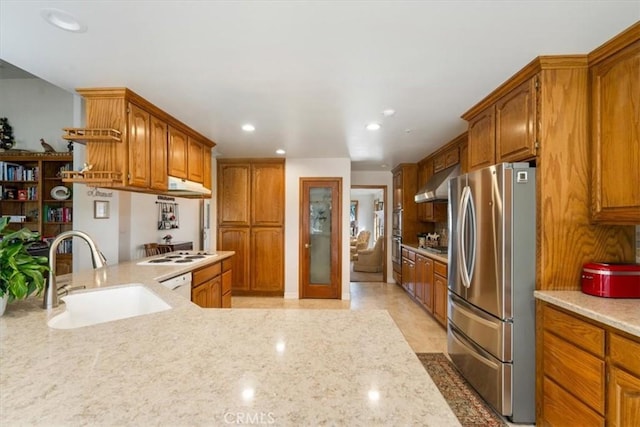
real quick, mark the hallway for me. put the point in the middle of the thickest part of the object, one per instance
(421, 331)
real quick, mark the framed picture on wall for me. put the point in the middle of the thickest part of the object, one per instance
(100, 209)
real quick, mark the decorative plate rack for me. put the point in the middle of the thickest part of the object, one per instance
(82, 135)
(168, 218)
(93, 178)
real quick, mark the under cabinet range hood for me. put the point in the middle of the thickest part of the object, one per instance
(183, 187)
(437, 186)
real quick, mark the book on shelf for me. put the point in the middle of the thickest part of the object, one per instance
(17, 172)
(65, 247)
(57, 214)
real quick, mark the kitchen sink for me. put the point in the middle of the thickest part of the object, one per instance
(106, 305)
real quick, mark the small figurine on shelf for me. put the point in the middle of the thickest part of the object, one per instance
(47, 147)
(167, 239)
(85, 168)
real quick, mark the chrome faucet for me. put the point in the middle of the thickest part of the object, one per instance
(51, 287)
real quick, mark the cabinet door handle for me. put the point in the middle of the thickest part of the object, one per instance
(307, 245)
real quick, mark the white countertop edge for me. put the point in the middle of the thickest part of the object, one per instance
(622, 314)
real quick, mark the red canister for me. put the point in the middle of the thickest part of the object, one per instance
(611, 280)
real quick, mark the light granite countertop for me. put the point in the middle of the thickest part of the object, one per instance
(622, 314)
(194, 366)
(438, 257)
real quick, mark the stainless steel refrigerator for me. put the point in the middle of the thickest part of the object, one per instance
(491, 318)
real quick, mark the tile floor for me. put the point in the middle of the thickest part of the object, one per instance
(421, 331)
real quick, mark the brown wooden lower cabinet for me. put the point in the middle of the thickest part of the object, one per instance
(408, 271)
(226, 283)
(419, 277)
(427, 300)
(426, 280)
(211, 285)
(624, 381)
(588, 373)
(440, 299)
(258, 263)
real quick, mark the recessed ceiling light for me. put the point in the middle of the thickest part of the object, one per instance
(388, 112)
(373, 126)
(248, 127)
(384, 165)
(280, 151)
(63, 20)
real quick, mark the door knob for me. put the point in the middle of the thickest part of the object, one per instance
(307, 245)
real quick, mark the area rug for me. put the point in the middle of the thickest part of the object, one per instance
(465, 403)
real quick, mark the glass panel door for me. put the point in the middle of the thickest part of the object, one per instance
(320, 233)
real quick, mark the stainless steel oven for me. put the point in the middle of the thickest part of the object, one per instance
(396, 250)
(396, 223)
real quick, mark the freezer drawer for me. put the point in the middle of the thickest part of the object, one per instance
(489, 332)
(486, 374)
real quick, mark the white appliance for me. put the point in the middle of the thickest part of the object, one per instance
(180, 284)
(205, 224)
(492, 259)
(178, 258)
(182, 187)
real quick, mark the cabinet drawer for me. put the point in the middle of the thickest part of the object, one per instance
(562, 408)
(575, 370)
(226, 264)
(407, 254)
(440, 269)
(206, 273)
(585, 335)
(625, 353)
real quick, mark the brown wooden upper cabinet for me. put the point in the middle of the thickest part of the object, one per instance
(516, 123)
(448, 158)
(267, 187)
(178, 153)
(504, 131)
(481, 145)
(139, 151)
(250, 193)
(158, 155)
(133, 145)
(195, 161)
(615, 129)
(234, 193)
(425, 171)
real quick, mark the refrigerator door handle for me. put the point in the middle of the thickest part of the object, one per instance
(473, 231)
(460, 237)
(465, 267)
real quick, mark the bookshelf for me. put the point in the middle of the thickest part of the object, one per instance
(26, 184)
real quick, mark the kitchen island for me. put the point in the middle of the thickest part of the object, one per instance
(194, 366)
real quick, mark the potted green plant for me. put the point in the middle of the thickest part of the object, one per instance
(21, 273)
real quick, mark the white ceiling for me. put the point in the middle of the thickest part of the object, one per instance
(308, 74)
